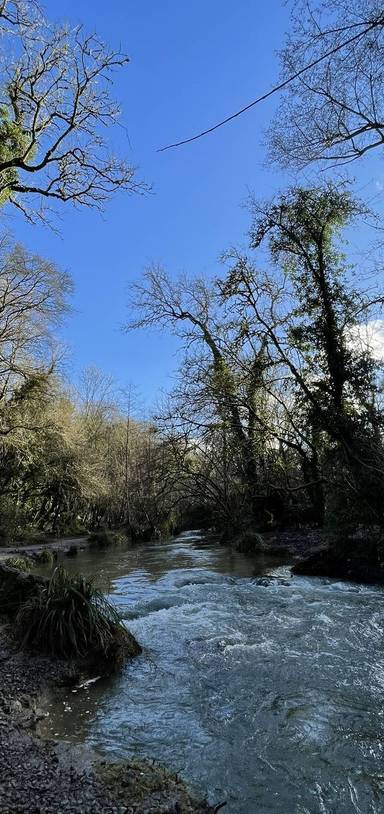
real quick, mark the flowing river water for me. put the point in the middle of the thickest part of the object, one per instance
(259, 688)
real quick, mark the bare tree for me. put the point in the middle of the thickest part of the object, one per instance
(33, 298)
(18, 16)
(334, 111)
(56, 110)
(219, 402)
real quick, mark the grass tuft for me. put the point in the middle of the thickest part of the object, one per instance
(46, 557)
(69, 617)
(20, 563)
(250, 542)
(105, 538)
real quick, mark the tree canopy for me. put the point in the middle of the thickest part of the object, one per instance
(273, 379)
(333, 112)
(56, 114)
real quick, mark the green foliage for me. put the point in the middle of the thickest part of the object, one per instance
(18, 562)
(69, 617)
(276, 413)
(250, 542)
(277, 409)
(105, 538)
(13, 143)
(46, 556)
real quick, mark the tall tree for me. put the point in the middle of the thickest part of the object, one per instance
(222, 381)
(33, 300)
(311, 331)
(56, 109)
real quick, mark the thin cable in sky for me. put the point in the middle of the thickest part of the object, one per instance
(276, 88)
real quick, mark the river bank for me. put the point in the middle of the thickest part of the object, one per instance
(295, 543)
(358, 557)
(311, 552)
(60, 546)
(258, 687)
(52, 777)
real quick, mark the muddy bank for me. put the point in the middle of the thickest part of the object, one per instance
(54, 778)
(64, 546)
(356, 560)
(291, 543)
(43, 776)
(316, 553)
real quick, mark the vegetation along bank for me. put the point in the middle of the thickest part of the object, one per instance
(55, 633)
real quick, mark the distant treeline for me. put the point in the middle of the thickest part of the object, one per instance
(278, 414)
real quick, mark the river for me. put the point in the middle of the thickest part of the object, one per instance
(259, 688)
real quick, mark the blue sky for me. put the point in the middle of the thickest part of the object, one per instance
(191, 64)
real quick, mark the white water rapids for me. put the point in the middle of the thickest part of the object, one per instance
(267, 693)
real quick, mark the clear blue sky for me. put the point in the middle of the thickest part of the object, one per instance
(191, 64)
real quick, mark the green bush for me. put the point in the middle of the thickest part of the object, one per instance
(250, 542)
(69, 617)
(46, 557)
(103, 538)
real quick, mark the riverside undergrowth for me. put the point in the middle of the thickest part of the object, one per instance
(66, 616)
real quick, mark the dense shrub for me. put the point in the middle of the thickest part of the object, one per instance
(103, 538)
(69, 617)
(250, 542)
(46, 557)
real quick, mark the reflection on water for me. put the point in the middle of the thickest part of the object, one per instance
(267, 693)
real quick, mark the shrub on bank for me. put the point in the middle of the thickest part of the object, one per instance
(104, 538)
(69, 617)
(250, 542)
(46, 556)
(21, 563)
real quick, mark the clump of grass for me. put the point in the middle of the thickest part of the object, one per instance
(104, 538)
(250, 542)
(21, 563)
(69, 617)
(46, 557)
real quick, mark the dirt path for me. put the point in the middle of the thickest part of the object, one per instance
(61, 544)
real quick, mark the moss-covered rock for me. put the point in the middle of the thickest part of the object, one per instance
(17, 587)
(149, 787)
(67, 617)
(121, 647)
